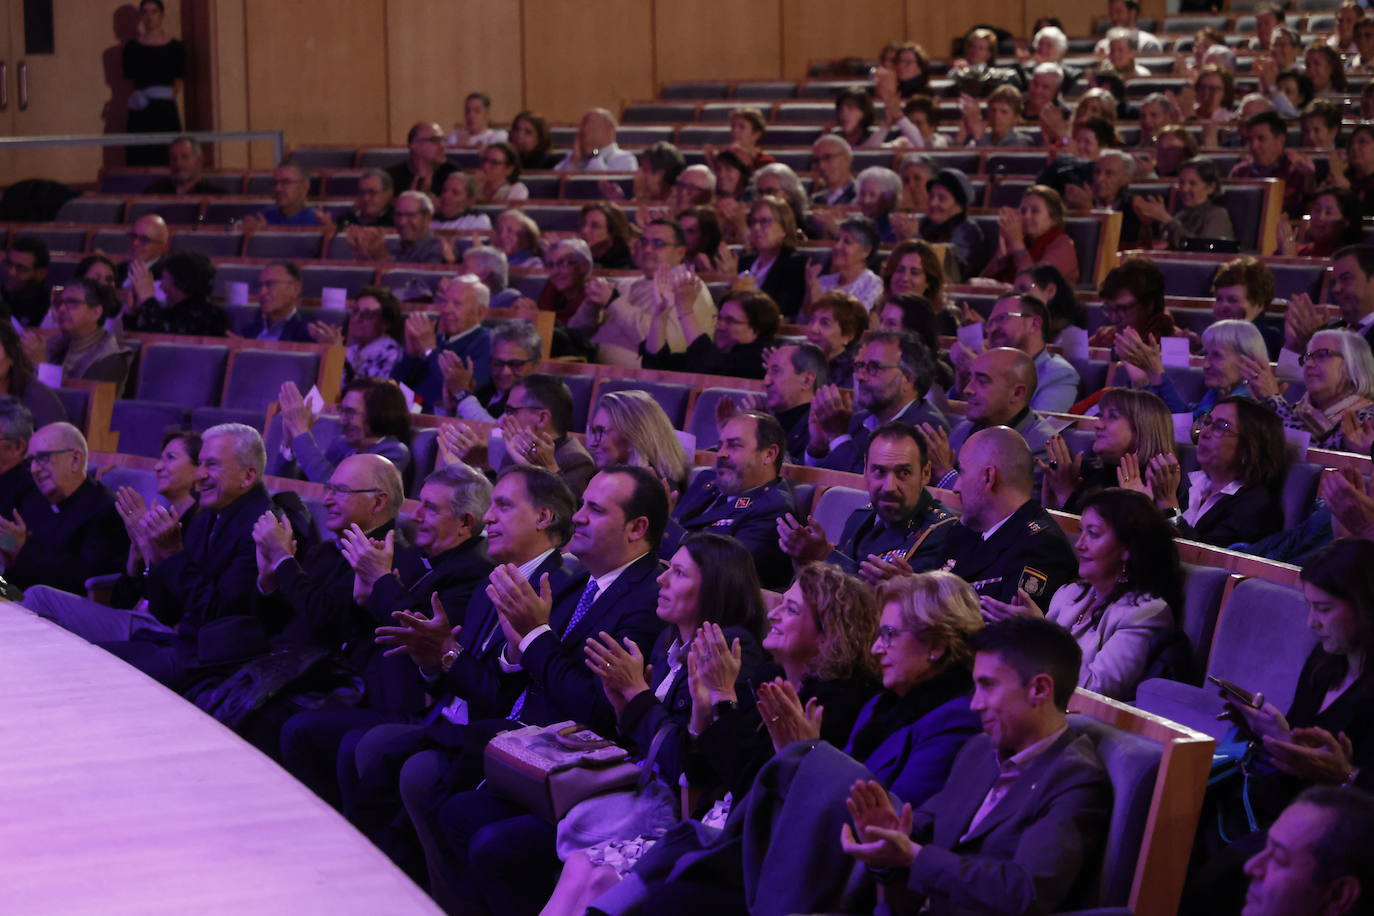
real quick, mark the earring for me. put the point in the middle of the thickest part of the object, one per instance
(934, 657)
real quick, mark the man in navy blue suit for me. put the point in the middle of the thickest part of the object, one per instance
(279, 297)
(462, 305)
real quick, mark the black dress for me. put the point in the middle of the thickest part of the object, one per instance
(153, 65)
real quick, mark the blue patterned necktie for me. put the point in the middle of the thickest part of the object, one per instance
(584, 604)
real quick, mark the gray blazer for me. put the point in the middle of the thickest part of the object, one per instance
(316, 465)
(1038, 850)
(1032, 427)
(1056, 385)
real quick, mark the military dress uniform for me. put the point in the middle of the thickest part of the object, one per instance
(1029, 551)
(750, 517)
(919, 538)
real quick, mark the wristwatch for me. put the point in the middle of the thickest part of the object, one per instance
(448, 658)
(724, 708)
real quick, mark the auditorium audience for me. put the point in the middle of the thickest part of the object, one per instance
(594, 148)
(375, 204)
(893, 375)
(1130, 586)
(372, 420)
(413, 214)
(278, 294)
(1315, 857)
(187, 282)
(518, 238)
(290, 201)
(1333, 222)
(1019, 322)
(1133, 298)
(1197, 212)
(462, 305)
(833, 159)
(880, 192)
(1324, 739)
(16, 429)
(744, 495)
(476, 130)
(771, 260)
(849, 272)
(83, 347)
(648, 311)
(535, 425)
(778, 180)
(946, 221)
(1228, 347)
(1033, 234)
(1324, 68)
(503, 855)
(18, 379)
(515, 353)
(529, 134)
(185, 171)
(1266, 135)
(1337, 378)
(701, 229)
(1242, 290)
(456, 207)
(998, 126)
(630, 428)
(489, 265)
(570, 266)
(903, 528)
(834, 323)
(1132, 427)
(606, 231)
(1046, 283)
(426, 166)
(66, 530)
(744, 332)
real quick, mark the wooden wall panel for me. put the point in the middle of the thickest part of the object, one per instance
(440, 50)
(718, 39)
(228, 90)
(935, 25)
(317, 70)
(584, 53)
(814, 29)
(1077, 17)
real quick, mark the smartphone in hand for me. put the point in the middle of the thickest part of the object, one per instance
(1235, 693)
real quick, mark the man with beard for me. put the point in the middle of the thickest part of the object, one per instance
(744, 497)
(893, 372)
(902, 529)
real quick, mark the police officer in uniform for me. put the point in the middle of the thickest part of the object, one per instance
(744, 497)
(1005, 541)
(902, 529)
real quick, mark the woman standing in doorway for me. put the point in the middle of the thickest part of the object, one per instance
(153, 62)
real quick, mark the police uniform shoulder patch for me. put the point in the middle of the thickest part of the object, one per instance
(723, 521)
(1035, 527)
(743, 502)
(1033, 582)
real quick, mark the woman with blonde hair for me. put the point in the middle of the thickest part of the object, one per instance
(629, 427)
(1338, 372)
(1132, 428)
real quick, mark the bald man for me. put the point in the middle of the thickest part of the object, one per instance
(427, 166)
(594, 148)
(1005, 541)
(67, 530)
(1001, 384)
(148, 242)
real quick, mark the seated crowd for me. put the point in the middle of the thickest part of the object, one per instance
(890, 697)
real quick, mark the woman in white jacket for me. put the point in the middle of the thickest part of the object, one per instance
(1129, 588)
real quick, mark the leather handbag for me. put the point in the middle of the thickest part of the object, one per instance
(550, 768)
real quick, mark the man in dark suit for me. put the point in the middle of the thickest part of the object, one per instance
(1005, 542)
(210, 572)
(66, 530)
(462, 304)
(893, 372)
(279, 298)
(902, 529)
(447, 563)
(24, 291)
(1021, 828)
(744, 497)
(790, 382)
(615, 537)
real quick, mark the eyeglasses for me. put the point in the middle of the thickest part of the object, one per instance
(762, 222)
(873, 367)
(409, 214)
(496, 160)
(729, 319)
(434, 139)
(68, 302)
(886, 635)
(512, 364)
(565, 262)
(367, 314)
(1217, 426)
(268, 284)
(687, 186)
(338, 489)
(1007, 316)
(514, 407)
(1119, 310)
(658, 243)
(1319, 356)
(47, 457)
(348, 413)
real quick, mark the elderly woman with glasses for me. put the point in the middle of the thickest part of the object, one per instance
(772, 263)
(373, 420)
(849, 265)
(1228, 348)
(1338, 374)
(374, 330)
(1233, 497)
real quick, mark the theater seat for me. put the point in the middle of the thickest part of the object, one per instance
(767, 89)
(91, 210)
(59, 239)
(224, 211)
(424, 455)
(202, 418)
(695, 89)
(1299, 490)
(580, 387)
(703, 135)
(213, 243)
(834, 507)
(1261, 642)
(141, 424)
(1245, 203)
(829, 89)
(187, 374)
(644, 136)
(141, 480)
(792, 135)
(588, 187)
(311, 158)
(289, 246)
(1203, 587)
(77, 403)
(255, 377)
(702, 423)
(173, 212)
(315, 277)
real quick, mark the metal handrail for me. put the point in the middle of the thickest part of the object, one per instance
(276, 137)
